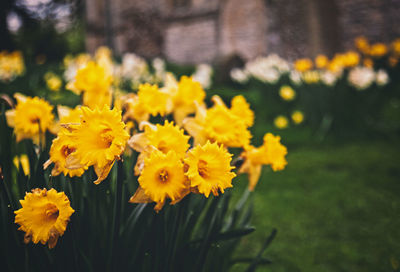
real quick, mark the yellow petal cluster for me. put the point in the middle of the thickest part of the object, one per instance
(272, 153)
(11, 65)
(287, 93)
(53, 81)
(31, 118)
(209, 169)
(221, 124)
(152, 100)
(44, 216)
(185, 97)
(297, 117)
(303, 65)
(163, 177)
(95, 83)
(281, 122)
(99, 140)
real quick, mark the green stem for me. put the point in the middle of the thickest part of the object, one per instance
(117, 217)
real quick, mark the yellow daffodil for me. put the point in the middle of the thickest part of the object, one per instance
(134, 110)
(281, 122)
(95, 84)
(53, 82)
(61, 148)
(188, 93)
(297, 117)
(272, 153)
(241, 109)
(321, 61)
(162, 178)
(378, 50)
(11, 65)
(351, 59)
(287, 93)
(99, 139)
(164, 138)
(395, 46)
(312, 76)
(362, 44)
(152, 99)
(31, 118)
(219, 124)
(209, 168)
(44, 216)
(92, 78)
(275, 152)
(303, 65)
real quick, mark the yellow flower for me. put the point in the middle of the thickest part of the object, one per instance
(219, 124)
(311, 77)
(351, 59)
(287, 93)
(99, 140)
(297, 117)
(53, 82)
(272, 153)
(24, 161)
(254, 158)
(189, 93)
(30, 118)
(163, 177)
(241, 109)
(321, 61)
(61, 148)
(44, 216)
(223, 127)
(396, 46)
(281, 122)
(164, 138)
(378, 50)
(11, 65)
(92, 78)
(153, 100)
(134, 110)
(275, 152)
(209, 169)
(303, 65)
(362, 44)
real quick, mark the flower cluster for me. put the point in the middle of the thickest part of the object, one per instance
(187, 153)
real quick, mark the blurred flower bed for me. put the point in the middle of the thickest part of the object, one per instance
(353, 91)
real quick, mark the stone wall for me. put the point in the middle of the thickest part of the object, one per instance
(192, 31)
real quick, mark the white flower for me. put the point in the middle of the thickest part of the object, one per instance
(361, 77)
(239, 75)
(381, 77)
(203, 74)
(329, 78)
(133, 67)
(295, 77)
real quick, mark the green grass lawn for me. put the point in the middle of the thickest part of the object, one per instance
(336, 208)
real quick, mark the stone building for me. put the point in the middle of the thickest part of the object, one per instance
(193, 31)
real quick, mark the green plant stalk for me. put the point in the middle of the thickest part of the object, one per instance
(117, 216)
